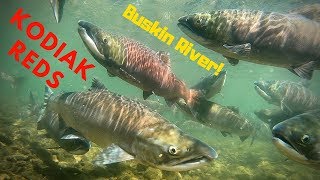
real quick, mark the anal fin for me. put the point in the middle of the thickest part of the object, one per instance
(232, 61)
(112, 154)
(147, 94)
(96, 84)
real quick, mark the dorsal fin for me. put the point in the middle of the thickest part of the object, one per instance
(309, 11)
(164, 57)
(96, 84)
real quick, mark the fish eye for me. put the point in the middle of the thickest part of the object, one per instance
(173, 150)
(305, 139)
(105, 40)
(198, 21)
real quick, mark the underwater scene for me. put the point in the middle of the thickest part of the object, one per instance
(160, 89)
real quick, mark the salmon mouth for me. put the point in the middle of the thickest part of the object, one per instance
(85, 31)
(190, 162)
(287, 149)
(185, 27)
(285, 146)
(262, 91)
(187, 164)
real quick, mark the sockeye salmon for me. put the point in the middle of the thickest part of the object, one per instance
(289, 40)
(129, 130)
(299, 138)
(226, 119)
(293, 98)
(136, 64)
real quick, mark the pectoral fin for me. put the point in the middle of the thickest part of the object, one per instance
(112, 154)
(241, 49)
(306, 70)
(147, 94)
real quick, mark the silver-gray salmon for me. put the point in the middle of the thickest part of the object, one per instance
(290, 96)
(298, 138)
(289, 40)
(223, 118)
(226, 119)
(130, 130)
(136, 64)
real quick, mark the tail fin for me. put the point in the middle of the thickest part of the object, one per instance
(33, 107)
(18, 81)
(198, 104)
(47, 93)
(257, 128)
(31, 98)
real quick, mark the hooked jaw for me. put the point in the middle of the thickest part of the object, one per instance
(284, 145)
(185, 24)
(262, 90)
(86, 32)
(202, 155)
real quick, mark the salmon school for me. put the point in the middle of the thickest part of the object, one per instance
(31, 60)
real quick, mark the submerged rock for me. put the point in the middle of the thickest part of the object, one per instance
(4, 177)
(5, 139)
(152, 173)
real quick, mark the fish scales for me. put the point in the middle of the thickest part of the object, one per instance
(136, 64)
(127, 130)
(228, 120)
(91, 105)
(289, 40)
(293, 98)
(297, 96)
(264, 28)
(145, 62)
